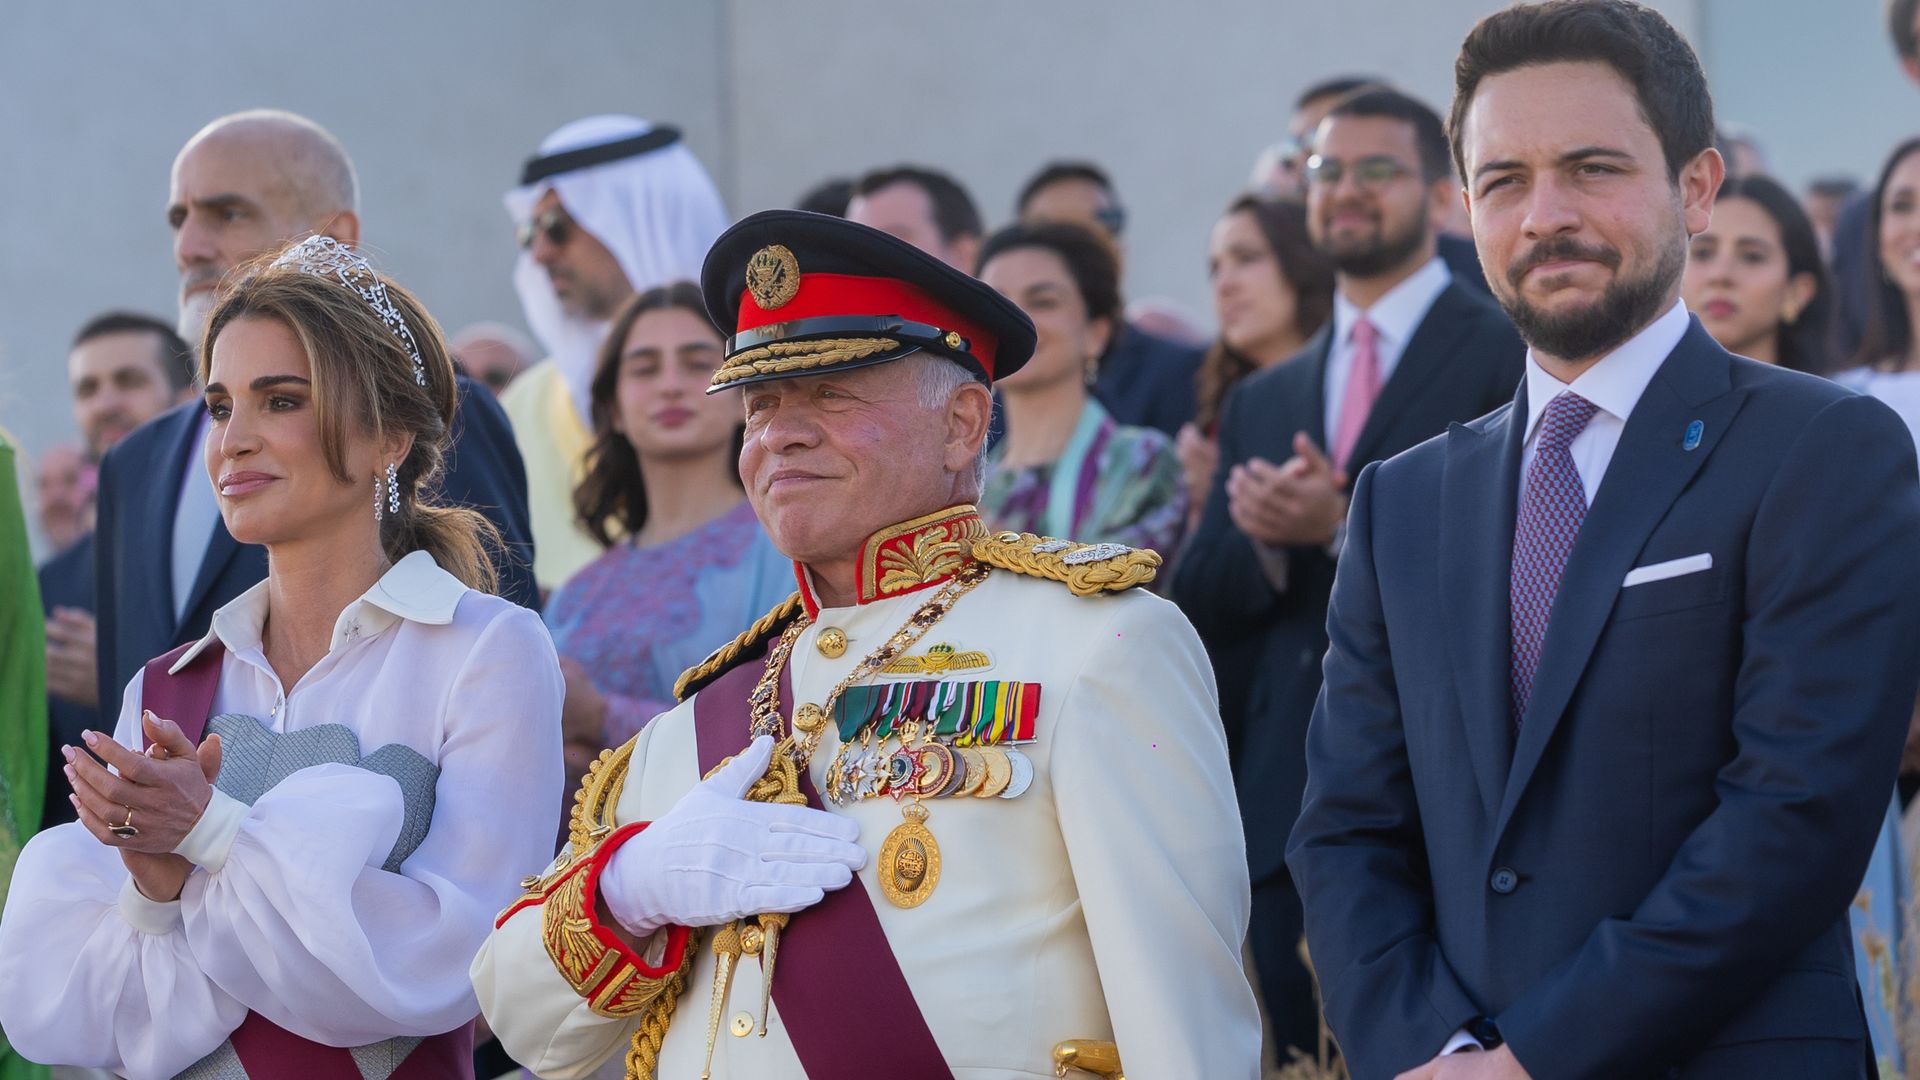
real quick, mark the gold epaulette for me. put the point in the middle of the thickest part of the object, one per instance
(1086, 569)
(723, 657)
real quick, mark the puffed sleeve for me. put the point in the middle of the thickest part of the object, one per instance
(300, 921)
(95, 974)
(1145, 803)
(539, 1018)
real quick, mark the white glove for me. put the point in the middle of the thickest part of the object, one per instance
(715, 857)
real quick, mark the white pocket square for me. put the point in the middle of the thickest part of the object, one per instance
(1672, 568)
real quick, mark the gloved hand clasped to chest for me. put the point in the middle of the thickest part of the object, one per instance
(716, 857)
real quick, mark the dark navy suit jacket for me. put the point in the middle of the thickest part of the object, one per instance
(1651, 876)
(1462, 361)
(1147, 381)
(140, 489)
(66, 580)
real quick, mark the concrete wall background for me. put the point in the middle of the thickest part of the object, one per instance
(440, 101)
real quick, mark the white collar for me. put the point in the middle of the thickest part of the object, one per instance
(1616, 381)
(415, 588)
(1398, 313)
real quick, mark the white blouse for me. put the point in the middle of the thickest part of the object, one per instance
(288, 912)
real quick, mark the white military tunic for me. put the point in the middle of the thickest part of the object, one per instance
(1109, 901)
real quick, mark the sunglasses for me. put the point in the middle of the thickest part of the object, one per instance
(554, 225)
(1369, 172)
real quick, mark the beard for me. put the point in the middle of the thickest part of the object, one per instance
(194, 310)
(1377, 254)
(1625, 307)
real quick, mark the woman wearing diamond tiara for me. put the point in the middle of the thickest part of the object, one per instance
(317, 871)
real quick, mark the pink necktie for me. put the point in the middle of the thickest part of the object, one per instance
(1363, 386)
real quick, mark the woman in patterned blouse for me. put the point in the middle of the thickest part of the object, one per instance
(686, 564)
(1065, 468)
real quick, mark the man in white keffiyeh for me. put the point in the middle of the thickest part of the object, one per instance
(610, 206)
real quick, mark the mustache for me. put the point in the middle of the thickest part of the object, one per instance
(1557, 248)
(198, 276)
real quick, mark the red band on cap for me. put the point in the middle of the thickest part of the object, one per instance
(834, 295)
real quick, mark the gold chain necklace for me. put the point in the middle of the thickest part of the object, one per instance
(791, 756)
(810, 720)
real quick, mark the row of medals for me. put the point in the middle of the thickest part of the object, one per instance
(912, 762)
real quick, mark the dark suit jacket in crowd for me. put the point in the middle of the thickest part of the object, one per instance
(66, 580)
(1463, 259)
(140, 489)
(1856, 274)
(1147, 381)
(1463, 360)
(1649, 874)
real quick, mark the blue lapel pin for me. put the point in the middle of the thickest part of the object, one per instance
(1694, 431)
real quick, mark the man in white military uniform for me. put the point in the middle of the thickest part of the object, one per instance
(967, 810)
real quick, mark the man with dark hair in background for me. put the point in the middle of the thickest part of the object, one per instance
(1618, 674)
(1409, 350)
(925, 207)
(124, 369)
(1283, 167)
(829, 196)
(1282, 171)
(1144, 380)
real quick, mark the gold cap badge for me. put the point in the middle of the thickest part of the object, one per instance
(773, 276)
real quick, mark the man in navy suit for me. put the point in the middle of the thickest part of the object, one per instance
(244, 185)
(123, 370)
(1619, 674)
(1408, 350)
(1144, 380)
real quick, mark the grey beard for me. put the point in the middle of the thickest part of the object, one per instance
(194, 310)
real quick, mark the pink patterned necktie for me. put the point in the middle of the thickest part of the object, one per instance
(1363, 386)
(1552, 505)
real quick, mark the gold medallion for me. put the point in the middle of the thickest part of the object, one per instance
(773, 276)
(832, 642)
(808, 717)
(909, 860)
(976, 771)
(999, 772)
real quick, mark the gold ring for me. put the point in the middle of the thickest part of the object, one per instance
(125, 829)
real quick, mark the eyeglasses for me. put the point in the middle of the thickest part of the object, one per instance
(1369, 173)
(554, 225)
(1111, 218)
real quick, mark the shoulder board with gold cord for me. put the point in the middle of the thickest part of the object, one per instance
(724, 657)
(1085, 569)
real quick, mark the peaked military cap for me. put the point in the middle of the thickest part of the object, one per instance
(809, 293)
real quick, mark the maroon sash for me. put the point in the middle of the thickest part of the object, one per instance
(840, 990)
(265, 1049)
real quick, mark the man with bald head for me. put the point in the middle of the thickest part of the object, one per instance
(244, 185)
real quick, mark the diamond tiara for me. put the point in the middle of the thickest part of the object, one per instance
(323, 256)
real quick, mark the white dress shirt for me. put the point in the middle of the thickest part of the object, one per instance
(1395, 316)
(288, 912)
(1614, 383)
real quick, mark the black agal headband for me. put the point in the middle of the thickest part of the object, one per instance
(539, 168)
